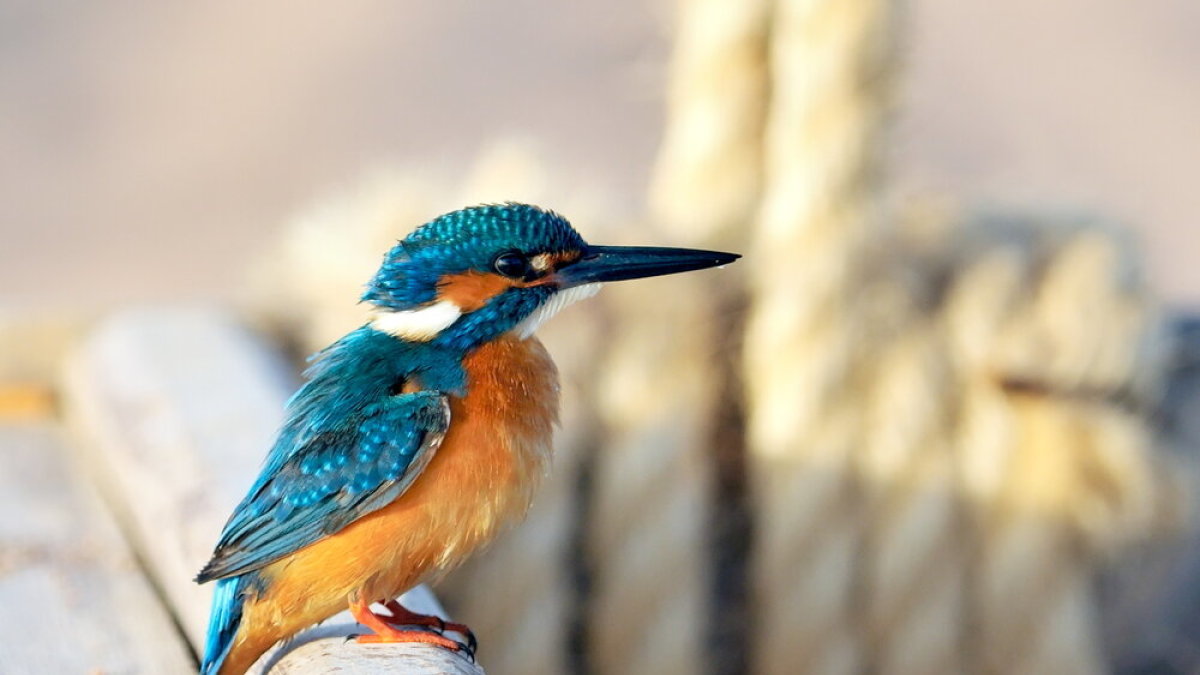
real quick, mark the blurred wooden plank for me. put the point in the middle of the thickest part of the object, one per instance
(72, 598)
(174, 410)
(178, 408)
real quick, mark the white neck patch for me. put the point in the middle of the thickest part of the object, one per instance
(552, 306)
(418, 325)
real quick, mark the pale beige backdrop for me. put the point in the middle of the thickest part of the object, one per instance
(151, 150)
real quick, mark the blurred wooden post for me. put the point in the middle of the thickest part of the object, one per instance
(174, 410)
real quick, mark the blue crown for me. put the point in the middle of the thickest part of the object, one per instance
(468, 239)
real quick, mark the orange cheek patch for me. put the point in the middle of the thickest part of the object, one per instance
(472, 290)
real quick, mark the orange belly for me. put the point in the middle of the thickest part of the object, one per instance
(482, 477)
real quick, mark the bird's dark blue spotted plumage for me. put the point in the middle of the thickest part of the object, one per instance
(337, 475)
(465, 240)
(339, 455)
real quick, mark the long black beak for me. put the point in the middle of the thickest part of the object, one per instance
(617, 263)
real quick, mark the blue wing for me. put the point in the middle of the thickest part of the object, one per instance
(327, 477)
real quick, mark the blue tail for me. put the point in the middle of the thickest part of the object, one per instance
(223, 622)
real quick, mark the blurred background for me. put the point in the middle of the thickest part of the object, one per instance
(188, 135)
(942, 416)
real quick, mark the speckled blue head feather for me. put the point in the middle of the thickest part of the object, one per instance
(467, 239)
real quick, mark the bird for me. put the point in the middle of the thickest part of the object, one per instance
(416, 437)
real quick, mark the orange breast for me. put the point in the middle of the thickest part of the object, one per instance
(482, 477)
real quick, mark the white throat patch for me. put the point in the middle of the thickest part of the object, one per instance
(418, 325)
(552, 306)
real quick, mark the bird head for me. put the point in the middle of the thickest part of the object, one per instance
(472, 275)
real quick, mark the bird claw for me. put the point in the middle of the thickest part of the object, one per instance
(467, 648)
(472, 643)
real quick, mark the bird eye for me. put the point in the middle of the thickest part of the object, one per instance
(512, 265)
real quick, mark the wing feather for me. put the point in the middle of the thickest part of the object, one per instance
(330, 478)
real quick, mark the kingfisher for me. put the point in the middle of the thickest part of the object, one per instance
(416, 437)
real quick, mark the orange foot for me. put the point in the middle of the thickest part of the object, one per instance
(384, 633)
(402, 616)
